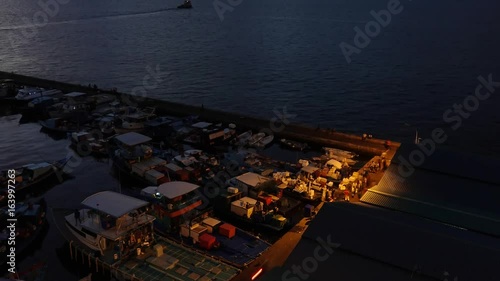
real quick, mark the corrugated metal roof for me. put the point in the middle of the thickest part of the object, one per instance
(447, 187)
(390, 245)
(454, 163)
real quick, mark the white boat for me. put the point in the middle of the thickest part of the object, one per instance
(109, 220)
(265, 141)
(28, 94)
(256, 138)
(339, 152)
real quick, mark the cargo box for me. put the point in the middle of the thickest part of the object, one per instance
(227, 230)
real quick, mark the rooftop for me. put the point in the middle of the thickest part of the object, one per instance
(251, 179)
(175, 189)
(113, 203)
(133, 139)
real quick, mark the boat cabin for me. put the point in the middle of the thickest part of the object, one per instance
(112, 222)
(173, 203)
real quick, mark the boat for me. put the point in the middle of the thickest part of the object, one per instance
(33, 175)
(243, 138)
(294, 144)
(112, 222)
(58, 125)
(182, 216)
(265, 141)
(134, 122)
(118, 233)
(339, 152)
(86, 143)
(133, 157)
(186, 5)
(254, 139)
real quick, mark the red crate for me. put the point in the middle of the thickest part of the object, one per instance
(266, 200)
(227, 230)
(206, 241)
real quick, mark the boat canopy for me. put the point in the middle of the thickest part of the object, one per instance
(175, 189)
(252, 179)
(113, 203)
(309, 169)
(201, 125)
(133, 139)
(38, 169)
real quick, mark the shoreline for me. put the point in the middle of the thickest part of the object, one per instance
(299, 132)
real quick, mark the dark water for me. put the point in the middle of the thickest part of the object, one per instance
(267, 54)
(264, 55)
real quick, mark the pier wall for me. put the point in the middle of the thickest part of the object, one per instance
(295, 131)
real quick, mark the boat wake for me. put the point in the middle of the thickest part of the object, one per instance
(83, 20)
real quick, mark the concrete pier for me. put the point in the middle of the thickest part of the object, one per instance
(298, 132)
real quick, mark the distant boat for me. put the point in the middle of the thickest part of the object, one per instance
(294, 144)
(254, 139)
(339, 152)
(28, 94)
(186, 5)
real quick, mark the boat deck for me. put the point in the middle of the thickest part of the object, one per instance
(176, 263)
(240, 250)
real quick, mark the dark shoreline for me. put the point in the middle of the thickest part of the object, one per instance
(299, 132)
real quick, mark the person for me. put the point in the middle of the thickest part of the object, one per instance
(77, 217)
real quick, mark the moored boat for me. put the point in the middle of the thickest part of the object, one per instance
(186, 5)
(265, 141)
(294, 144)
(339, 152)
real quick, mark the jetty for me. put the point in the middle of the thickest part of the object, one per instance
(300, 132)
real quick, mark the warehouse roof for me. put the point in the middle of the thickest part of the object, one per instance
(457, 189)
(372, 243)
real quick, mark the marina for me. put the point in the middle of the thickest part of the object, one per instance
(204, 200)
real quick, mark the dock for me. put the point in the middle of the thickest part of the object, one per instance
(300, 132)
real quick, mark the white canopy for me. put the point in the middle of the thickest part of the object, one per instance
(251, 179)
(175, 189)
(335, 163)
(113, 203)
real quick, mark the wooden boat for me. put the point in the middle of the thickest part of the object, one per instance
(59, 125)
(294, 144)
(265, 141)
(254, 139)
(30, 176)
(86, 144)
(243, 138)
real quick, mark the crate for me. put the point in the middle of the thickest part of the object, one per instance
(227, 230)
(207, 241)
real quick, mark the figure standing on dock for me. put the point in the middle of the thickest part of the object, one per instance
(77, 217)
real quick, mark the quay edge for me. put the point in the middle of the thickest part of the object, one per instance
(300, 132)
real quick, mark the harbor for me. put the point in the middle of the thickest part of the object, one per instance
(219, 188)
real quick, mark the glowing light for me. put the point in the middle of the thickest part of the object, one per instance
(257, 274)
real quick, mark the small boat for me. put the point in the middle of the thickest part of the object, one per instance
(265, 141)
(254, 139)
(135, 122)
(85, 144)
(294, 144)
(31, 175)
(186, 5)
(58, 125)
(243, 138)
(339, 152)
